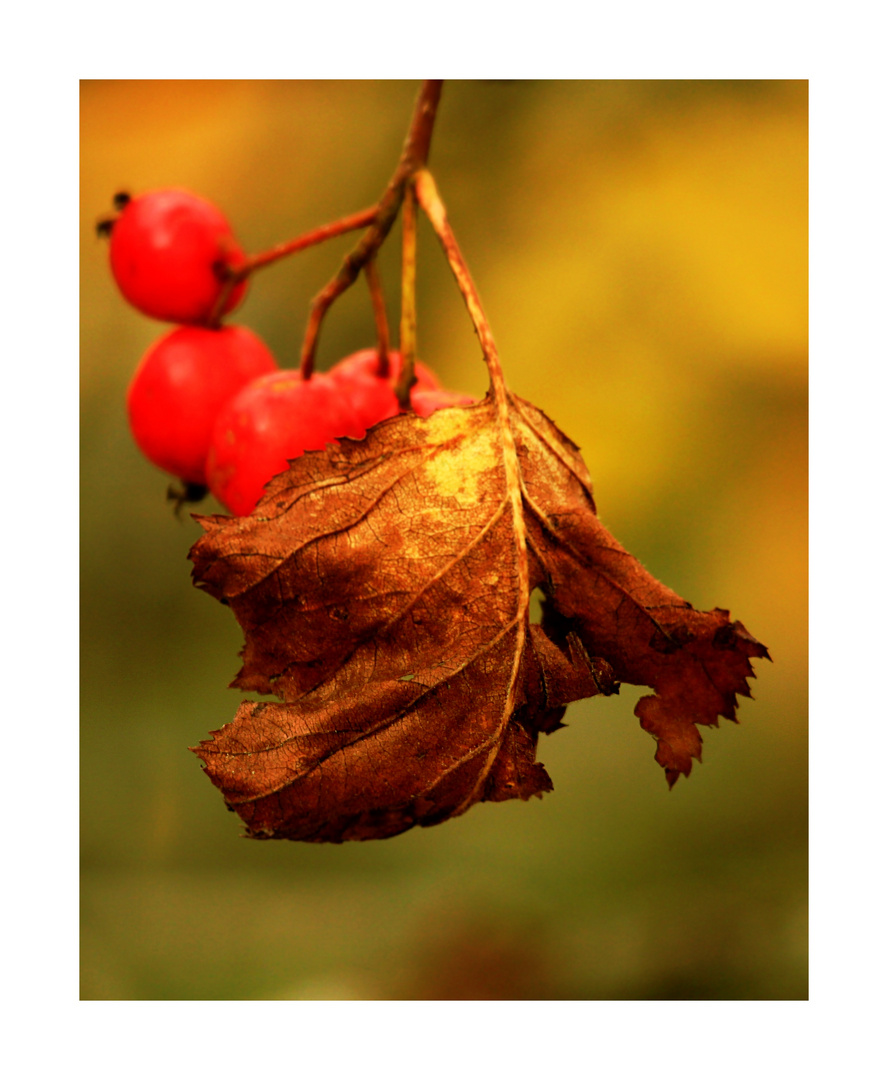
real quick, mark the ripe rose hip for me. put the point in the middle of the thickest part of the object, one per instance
(181, 383)
(272, 420)
(166, 249)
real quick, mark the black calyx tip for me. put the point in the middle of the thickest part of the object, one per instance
(185, 492)
(105, 224)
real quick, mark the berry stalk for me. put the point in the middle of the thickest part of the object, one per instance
(317, 236)
(233, 277)
(374, 282)
(413, 158)
(407, 333)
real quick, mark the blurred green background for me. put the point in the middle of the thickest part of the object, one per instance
(641, 250)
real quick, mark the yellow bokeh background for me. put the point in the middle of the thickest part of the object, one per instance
(641, 251)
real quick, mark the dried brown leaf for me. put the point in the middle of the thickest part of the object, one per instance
(383, 587)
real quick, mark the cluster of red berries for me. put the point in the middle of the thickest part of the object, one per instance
(208, 403)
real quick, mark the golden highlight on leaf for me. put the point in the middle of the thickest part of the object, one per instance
(383, 587)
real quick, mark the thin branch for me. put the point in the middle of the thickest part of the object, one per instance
(415, 154)
(413, 157)
(234, 276)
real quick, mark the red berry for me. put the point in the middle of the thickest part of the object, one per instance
(427, 401)
(166, 249)
(266, 424)
(181, 383)
(372, 398)
(366, 361)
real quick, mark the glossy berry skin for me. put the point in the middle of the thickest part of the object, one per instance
(165, 249)
(366, 362)
(179, 387)
(371, 397)
(274, 419)
(426, 400)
